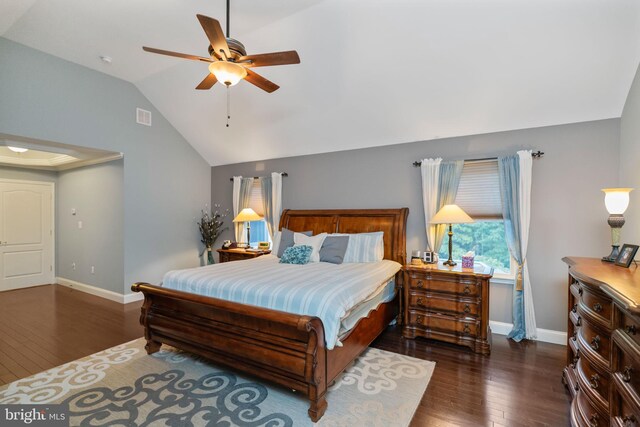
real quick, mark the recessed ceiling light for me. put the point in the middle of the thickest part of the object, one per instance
(106, 59)
(18, 149)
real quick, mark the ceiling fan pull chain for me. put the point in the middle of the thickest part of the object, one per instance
(228, 106)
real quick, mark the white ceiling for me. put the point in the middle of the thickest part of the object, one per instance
(373, 72)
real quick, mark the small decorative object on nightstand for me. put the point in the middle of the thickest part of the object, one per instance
(448, 304)
(238, 254)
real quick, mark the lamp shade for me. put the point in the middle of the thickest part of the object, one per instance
(451, 214)
(616, 199)
(247, 214)
(227, 72)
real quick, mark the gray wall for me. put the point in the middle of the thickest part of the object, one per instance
(96, 193)
(166, 182)
(567, 215)
(630, 161)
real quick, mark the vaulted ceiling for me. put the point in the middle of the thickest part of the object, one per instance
(373, 72)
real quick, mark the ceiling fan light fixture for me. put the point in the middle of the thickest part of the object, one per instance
(18, 149)
(228, 73)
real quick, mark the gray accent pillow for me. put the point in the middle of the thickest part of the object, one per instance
(286, 240)
(333, 249)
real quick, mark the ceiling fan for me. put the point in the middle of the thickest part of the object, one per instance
(228, 59)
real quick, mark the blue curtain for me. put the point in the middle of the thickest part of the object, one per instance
(509, 173)
(267, 205)
(449, 179)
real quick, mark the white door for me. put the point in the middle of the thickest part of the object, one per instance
(26, 234)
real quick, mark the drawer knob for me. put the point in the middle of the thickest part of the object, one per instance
(580, 291)
(574, 308)
(574, 362)
(574, 336)
(467, 290)
(597, 307)
(593, 420)
(467, 309)
(594, 381)
(626, 373)
(419, 318)
(595, 343)
(631, 329)
(466, 330)
(419, 284)
(629, 421)
(579, 321)
(420, 301)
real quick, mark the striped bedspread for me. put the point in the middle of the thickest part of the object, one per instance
(328, 291)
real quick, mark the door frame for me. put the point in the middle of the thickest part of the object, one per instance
(52, 185)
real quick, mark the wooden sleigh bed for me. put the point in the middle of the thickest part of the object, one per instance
(284, 348)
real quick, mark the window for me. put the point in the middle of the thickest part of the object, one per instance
(479, 196)
(259, 231)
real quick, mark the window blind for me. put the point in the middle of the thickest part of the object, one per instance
(256, 198)
(479, 190)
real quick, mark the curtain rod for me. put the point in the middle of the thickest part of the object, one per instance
(258, 177)
(538, 154)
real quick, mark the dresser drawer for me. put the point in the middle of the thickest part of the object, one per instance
(595, 342)
(598, 305)
(589, 414)
(623, 412)
(626, 364)
(630, 326)
(444, 323)
(468, 308)
(467, 288)
(596, 381)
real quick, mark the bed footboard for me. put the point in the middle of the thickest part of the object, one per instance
(284, 348)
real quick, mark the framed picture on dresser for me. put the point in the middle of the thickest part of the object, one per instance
(627, 253)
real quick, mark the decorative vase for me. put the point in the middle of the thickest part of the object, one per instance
(210, 256)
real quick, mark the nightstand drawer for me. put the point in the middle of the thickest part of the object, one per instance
(422, 300)
(465, 288)
(444, 323)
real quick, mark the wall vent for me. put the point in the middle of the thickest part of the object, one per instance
(143, 117)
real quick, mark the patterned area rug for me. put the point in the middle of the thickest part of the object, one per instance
(126, 387)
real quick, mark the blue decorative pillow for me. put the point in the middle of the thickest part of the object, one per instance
(296, 255)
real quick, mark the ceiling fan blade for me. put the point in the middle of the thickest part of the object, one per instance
(215, 35)
(207, 83)
(261, 82)
(268, 59)
(176, 54)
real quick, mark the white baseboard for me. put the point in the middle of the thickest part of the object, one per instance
(102, 293)
(544, 335)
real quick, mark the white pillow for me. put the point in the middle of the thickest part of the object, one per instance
(276, 243)
(364, 247)
(314, 241)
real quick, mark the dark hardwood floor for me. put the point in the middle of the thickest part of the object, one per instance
(517, 385)
(46, 326)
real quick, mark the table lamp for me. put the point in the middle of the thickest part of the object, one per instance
(616, 200)
(451, 214)
(247, 215)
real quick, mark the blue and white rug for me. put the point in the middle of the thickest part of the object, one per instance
(124, 386)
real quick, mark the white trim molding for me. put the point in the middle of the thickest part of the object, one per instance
(102, 293)
(544, 335)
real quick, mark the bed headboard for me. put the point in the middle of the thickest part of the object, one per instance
(392, 221)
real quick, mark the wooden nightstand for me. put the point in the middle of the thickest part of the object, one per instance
(227, 255)
(448, 304)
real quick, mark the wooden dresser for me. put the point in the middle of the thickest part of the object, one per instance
(448, 304)
(603, 349)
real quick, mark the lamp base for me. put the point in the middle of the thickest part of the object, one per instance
(450, 263)
(615, 251)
